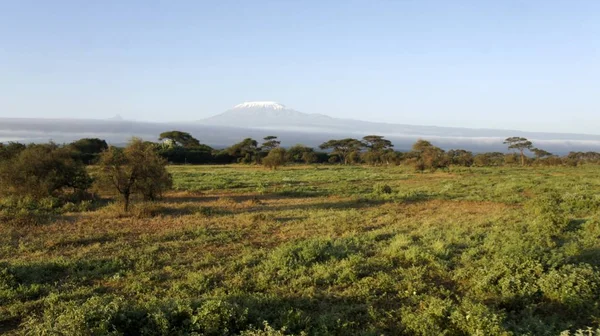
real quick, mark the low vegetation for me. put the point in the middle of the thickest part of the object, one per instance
(433, 246)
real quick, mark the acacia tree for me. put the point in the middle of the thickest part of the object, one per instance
(136, 168)
(309, 157)
(427, 156)
(300, 153)
(460, 157)
(520, 144)
(87, 150)
(345, 149)
(376, 146)
(246, 151)
(540, 153)
(391, 156)
(179, 139)
(270, 142)
(488, 159)
(275, 158)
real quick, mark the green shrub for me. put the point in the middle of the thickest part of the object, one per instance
(549, 216)
(575, 287)
(217, 317)
(308, 252)
(382, 189)
(266, 331)
(589, 331)
(478, 319)
(113, 315)
(429, 317)
(43, 171)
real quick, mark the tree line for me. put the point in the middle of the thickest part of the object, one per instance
(178, 147)
(40, 171)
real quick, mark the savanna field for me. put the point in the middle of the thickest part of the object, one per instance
(317, 250)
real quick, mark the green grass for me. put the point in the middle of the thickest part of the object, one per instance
(321, 250)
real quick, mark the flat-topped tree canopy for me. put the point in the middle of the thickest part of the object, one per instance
(180, 139)
(521, 144)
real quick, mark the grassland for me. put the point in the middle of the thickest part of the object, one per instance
(319, 250)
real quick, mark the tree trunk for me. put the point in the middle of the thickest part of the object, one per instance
(126, 202)
(522, 158)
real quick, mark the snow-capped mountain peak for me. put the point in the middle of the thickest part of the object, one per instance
(261, 104)
(267, 115)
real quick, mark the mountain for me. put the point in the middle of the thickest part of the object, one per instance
(117, 117)
(266, 115)
(278, 117)
(259, 119)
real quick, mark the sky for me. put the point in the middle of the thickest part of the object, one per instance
(527, 65)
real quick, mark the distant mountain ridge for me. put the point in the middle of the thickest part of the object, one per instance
(260, 114)
(271, 115)
(259, 119)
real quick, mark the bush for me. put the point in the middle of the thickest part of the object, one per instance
(308, 252)
(136, 169)
(266, 331)
(111, 315)
(550, 218)
(21, 211)
(382, 189)
(575, 287)
(275, 158)
(42, 171)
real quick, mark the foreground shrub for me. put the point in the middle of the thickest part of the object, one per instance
(267, 330)
(110, 315)
(136, 169)
(308, 252)
(576, 288)
(549, 217)
(41, 171)
(19, 211)
(382, 189)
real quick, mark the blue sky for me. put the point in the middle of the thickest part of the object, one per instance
(530, 65)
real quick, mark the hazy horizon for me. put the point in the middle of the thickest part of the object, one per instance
(119, 118)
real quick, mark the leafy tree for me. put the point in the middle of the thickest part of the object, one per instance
(371, 157)
(40, 171)
(179, 139)
(245, 151)
(511, 159)
(488, 159)
(299, 153)
(180, 155)
(377, 143)
(270, 142)
(88, 149)
(520, 144)
(376, 146)
(460, 157)
(427, 156)
(333, 159)
(10, 150)
(275, 158)
(343, 148)
(583, 157)
(136, 168)
(540, 153)
(309, 157)
(389, 156)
